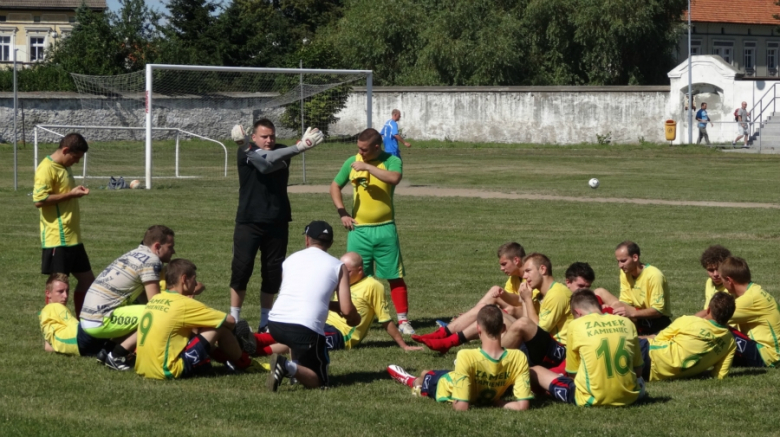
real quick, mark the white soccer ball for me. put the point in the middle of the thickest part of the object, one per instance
(135, 183)
(594, 183)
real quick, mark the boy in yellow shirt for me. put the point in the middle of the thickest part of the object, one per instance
(603, 352)
(710, 260)
(691, 345)
(756, 314)
(481, 376)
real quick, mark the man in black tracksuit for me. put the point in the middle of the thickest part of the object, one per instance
(263, 212)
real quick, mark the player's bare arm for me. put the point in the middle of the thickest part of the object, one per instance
(526, 294)
(338, 202)
(392, 331)
(152, 288)
(402, 140)
(386, 176)
(460, 406)
(514, 405)
(54, 199)
(348, 310)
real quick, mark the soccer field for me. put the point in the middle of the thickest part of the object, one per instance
(449, 246)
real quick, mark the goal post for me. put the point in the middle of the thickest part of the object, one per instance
(149, 94)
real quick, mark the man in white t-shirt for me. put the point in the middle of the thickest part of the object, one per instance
(742, 117)
(297, 319)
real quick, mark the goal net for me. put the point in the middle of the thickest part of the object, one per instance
(176, 120)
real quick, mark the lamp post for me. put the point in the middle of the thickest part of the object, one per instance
(16, 103)
(690, 80)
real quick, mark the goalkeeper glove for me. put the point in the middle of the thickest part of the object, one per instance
(311, 138)
(239, 136)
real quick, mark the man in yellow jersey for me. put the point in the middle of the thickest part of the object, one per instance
(368, 296)
(56, 196)
(374, 175)
(691, 345)
(541, 335)
(603, 352)
(61, 330)
(710, 260)
(178, 335)
(481, 376)
(756, 314)
(644, 292)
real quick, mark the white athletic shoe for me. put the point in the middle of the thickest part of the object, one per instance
(400, 375)
(405, 328)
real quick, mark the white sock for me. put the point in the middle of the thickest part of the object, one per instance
(402, 317)
(292, 367)
(264, 316)
(236, 313)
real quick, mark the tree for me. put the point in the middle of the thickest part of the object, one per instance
(189, 35)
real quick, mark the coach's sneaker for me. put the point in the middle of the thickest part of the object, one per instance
(278, 372)
(246, 339)
(405, 328)
(400, 375)
(120, 363)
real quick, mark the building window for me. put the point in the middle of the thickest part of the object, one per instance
(3, 18)
(36, 48)
(5, 48)
(749, 58)
(724, 49)
(695, 48)
(72, 19)
(36, 19)
(771, 58)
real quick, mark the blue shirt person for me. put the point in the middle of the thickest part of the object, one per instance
(703, 119)
(390, 135)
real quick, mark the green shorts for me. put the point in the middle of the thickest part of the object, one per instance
(123, 321)
(378, 244)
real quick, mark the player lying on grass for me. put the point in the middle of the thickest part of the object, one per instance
(179, 335)
(756, 314)
(644, 292)
(602, 356)
(691, 345)
(107, 313)
(481, 376)
(711, 259)
(578, 275)
(61, 330)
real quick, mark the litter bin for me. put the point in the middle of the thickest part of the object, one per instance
(670, 129)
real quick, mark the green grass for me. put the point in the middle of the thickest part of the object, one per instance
(449, 250)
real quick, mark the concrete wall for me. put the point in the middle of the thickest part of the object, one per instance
(562, 115)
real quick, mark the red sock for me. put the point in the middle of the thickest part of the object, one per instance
(443, 344)
(244, 361)
(264, 352)
(399, 295)
(439, 333)
(78, 302)
(264, 340)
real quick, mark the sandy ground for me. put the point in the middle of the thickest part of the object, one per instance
(423, 191)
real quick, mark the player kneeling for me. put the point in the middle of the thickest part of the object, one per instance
(178, 335)
(603, 352)
(481, 376)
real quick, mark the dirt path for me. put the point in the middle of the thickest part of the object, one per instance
(420, 191)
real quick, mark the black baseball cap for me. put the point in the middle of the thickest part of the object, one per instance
(319, 230)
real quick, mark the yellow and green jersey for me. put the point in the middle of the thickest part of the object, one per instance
(165, 329)
(690, 346)
(603, 350)
(648, 290)
(710, 289)
(488, 378)
(513, 286)
(758, 316)
(368, 296)
(60, 222)
(373, 199)
(447, 385)
(555, 312)
(60, 328)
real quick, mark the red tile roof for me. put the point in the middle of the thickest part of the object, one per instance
(734, 11)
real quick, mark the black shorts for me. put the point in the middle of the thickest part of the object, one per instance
(644, 346)
(334, 339)
(65, 259)
(271, 240)
(308, 348)
(652, 326)
(543, 351)
(196, 357)
(747, 354)
(430, 382)
(90, 346)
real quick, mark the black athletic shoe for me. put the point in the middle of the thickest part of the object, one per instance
(278, 372)
(120, 363)
(102, 355)
(246, 339)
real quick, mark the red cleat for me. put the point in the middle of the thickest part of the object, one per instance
(442, 345)
(400, 375)
(439, 333)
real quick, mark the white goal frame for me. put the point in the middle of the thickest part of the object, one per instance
(148, 107)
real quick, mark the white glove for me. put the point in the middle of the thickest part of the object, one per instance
(239, 136)
(311, 138)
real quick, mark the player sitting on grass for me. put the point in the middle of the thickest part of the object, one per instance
(578, 275)
(481, 376)
(107, 313)
(644, 292)
(368, 296)
(60, 328)
(756, 314)
(542, 334)
(179, 335)
(603, 352)
(691, 344)
(710, 260)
